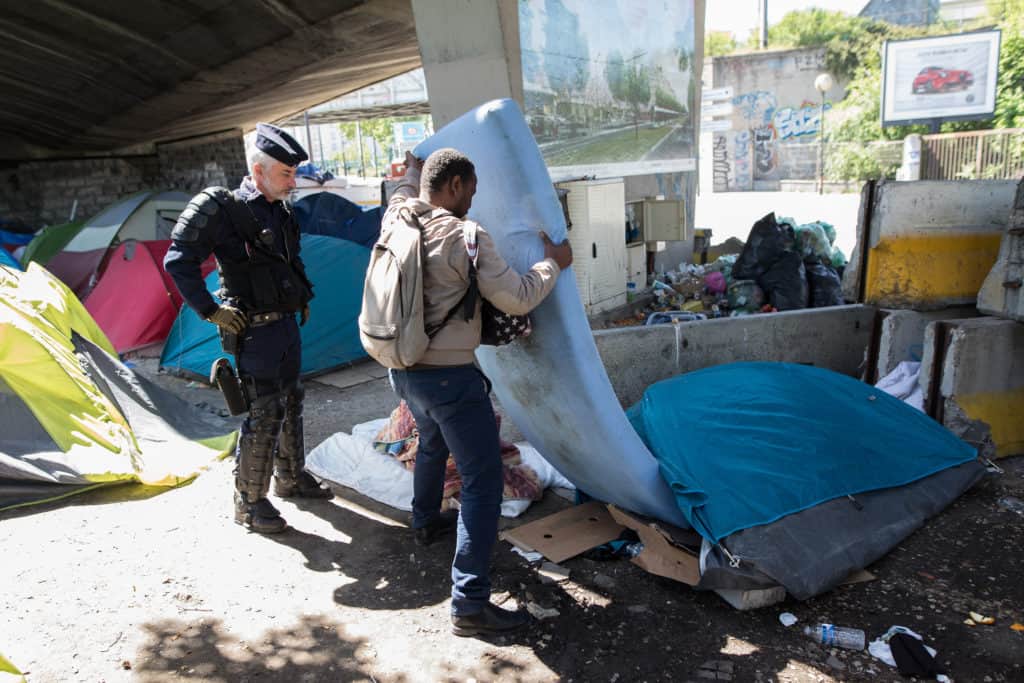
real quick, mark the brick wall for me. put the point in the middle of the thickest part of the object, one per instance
(39, 193)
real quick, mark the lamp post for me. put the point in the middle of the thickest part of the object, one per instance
(823, 83)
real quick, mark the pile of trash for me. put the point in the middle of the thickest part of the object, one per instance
(784, 266)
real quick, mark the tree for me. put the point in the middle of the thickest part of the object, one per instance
(381, 130)
(615, 75)
(719, 43)
(638, 90)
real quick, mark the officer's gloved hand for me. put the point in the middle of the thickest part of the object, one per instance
(229, 319)
(304, 316)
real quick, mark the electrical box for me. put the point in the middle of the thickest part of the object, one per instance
(597, 211)
(658, 220)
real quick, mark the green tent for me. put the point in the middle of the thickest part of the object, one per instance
(72, 416)
(48, 242)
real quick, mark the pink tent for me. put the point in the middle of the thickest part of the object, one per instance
(135, 301)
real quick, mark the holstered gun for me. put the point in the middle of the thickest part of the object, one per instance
(223, 376)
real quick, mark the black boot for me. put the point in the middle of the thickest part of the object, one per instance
(302, 486)
(259, 516)
(252, 471)
(444, 524)
(290, 478)
(491, 620)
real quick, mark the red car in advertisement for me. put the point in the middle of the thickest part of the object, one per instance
(933, 79)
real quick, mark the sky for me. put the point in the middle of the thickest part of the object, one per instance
(740, 16)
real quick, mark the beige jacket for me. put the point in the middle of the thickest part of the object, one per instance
(446, 279)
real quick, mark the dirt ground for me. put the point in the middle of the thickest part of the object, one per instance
(125, 584)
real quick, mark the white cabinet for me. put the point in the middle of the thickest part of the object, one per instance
(659, 220)
(598, 238)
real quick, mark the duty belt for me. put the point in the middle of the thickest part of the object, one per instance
(258, 319)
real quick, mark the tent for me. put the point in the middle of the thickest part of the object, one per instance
(144, 216)
(326, 213)
(72, 417)
(7, 260)
(135, 301)
(330, 339)
(49, 241)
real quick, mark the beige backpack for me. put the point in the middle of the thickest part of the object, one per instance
(391, 324)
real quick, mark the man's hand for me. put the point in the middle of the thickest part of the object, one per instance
(412, 163)
(229, 319)
(304, 316)
(562, 253)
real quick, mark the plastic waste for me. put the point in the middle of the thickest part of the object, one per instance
(1012, 504)
(813, 243)
(831, 635)
(633, 549)
(788, 619)
(826, 289)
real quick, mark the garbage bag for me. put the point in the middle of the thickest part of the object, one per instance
(785, 282)
(826, 289)
(838, 258)
(813, 243)
(745, 295)
(767, 242)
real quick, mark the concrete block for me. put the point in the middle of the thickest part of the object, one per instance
(973, 381)
(637, 357)
(929, 244)
(752, 599)
(1001, 294)
(833, 338)
(901, 336)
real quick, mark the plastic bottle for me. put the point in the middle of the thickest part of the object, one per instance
(633, 549)
(831, 635)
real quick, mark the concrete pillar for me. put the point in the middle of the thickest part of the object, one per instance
(910, 169)
(470, 51)
(1001, 293)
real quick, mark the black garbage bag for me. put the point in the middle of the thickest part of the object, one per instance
(825, 286)
(785, 282)
(767, 242)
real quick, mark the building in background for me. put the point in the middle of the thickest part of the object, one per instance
(902, 12)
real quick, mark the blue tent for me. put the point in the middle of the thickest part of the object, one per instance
(330, 339)
(7, 260)
(326, 213)
(747, 444)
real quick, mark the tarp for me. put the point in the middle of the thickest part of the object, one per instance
(330, 339)
(143, 216)
(72, 417)
(326, 213)
(135, 301)
(746, 444)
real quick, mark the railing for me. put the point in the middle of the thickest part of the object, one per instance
(992, 154)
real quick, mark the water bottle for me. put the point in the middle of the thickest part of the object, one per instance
(831, 635)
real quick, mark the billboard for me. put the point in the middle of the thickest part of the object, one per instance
(609, 87)
(947, 77)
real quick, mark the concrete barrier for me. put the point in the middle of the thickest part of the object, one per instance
(901, 337)
(1002, 293)
(972, 375)
(927, 245)
(833, 338)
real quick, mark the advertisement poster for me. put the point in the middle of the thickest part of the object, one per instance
(948, 78)
(609, 87)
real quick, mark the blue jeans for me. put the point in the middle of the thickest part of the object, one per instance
(454, 414)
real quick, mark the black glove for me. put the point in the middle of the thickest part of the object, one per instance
(229, 319)
(304, 316)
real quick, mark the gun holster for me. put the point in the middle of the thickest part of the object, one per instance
(223, 376)
(228, 341)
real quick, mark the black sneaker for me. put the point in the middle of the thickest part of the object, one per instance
(260, 516)
(303, 486)
(491, 620)
(443, 525)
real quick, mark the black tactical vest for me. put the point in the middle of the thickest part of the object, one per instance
(266, 281)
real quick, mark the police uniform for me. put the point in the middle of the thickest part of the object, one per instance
(264, 285)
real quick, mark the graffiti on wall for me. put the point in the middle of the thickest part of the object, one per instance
(750, 151)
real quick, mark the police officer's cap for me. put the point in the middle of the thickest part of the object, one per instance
(279, 145)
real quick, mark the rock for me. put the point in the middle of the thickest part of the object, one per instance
(834, 663)
(604, 581)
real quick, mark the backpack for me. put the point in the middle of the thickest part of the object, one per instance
(392, 328)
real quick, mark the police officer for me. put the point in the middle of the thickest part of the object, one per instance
(254, 236)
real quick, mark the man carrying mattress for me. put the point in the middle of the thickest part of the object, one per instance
(446, 393)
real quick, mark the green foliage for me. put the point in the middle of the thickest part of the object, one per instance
(664, 98)
(856, 162)
(381, 130)
(719, 43)
(615, 75)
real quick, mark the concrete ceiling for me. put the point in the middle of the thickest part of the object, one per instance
(81, 77)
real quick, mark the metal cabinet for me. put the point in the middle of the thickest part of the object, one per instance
(598, 238)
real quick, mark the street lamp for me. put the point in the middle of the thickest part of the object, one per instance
(823, 83)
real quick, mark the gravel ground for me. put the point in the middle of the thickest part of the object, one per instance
(128, 584)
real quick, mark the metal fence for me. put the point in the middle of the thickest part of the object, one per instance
(992, 154)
